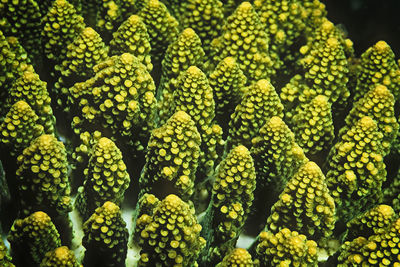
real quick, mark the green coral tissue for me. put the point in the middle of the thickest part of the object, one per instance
(195, 133)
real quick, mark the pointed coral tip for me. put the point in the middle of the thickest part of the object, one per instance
(381, 90)
(193, 70)
(332, 42)
(241, 150)
(41, 216)
(134, 19)
(105, 142)
(188, 32)
(89, 32)
(154, 3)
(21, 105)
(245, 6)
(386, 211)
(264, 84)
(62, 253)
(320, 100)
(230, 62)
(127, 58)
(381, 46)
(110, 206)
(327, 25)
(276, 121)
(46, 140)
(29, 75)
(311, 166)
(367, 122)
(182, 116)
(173, 199)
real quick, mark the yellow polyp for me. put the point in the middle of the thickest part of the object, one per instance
(178, 161)
(233, 214)
(371, 246)
(127, 59)
(133, 105)
(381, 46)
(167, 171)
(184, 179)
(128, 83)
(224, 209)
(62, 253)
(41, 217)
(332, 42)
(286, 198)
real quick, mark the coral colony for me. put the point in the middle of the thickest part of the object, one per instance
(164, 133)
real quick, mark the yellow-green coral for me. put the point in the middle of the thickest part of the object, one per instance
(86, 51)
(132, 37)
(32, 237)
(184, 52)
(24, 18)
(377, 66)
(285, 248)
(145, 208)
(110, 94)
(237, 257)
(372, 222)
(284, 22)
(172, 158)
(259, 103)
(42, 177)
(105, 237)
(313, 126)
(305, 205)
(5, 259)
(244, 38)
(19, 127)
(325, 31)
(326, 70)
(161, 26)
(119, 101)
(61, 25)
(106, 178)
(315, 14)
(228, 84)
(378, 250)
(276, 158)
(21, 55)
(378, 104)
(276, 155)
(108, 16)
(195, 96)
(205, 17)
(61, 257)
(232, 197)
(356, 170)
(172, 237)
(12, 67)
(31, 89)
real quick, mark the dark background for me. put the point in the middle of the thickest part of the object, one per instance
(367, 21)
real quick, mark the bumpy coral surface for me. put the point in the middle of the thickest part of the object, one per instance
(61, 256)
(195, 133)
(172, 236)
(32, 237)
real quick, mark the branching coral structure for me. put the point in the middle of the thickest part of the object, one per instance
(195, 133)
